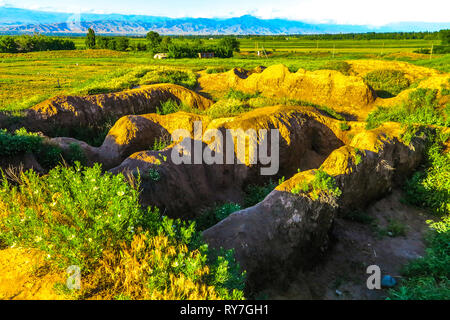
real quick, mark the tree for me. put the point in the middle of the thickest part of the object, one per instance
(90, 39)
(444, 35)
(8, 44)
(122, 43)
(164, 45)
(154, 39)
(230, 43)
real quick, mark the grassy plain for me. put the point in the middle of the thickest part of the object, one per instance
(27, 79)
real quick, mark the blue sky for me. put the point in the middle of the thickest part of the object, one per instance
(378, 12)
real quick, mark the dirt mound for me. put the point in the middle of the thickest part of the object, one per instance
(411, 71)
(287, 232)
(305, 142)
(81, 111)
(347, 94)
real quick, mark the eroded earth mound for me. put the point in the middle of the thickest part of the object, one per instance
(287, 231)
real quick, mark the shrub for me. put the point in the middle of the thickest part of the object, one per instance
(215, 215)
(344, 126)
(428, 277)
(22, 142)
(322, 184)
(79, 216)
(254, 194)
(387, 83)
(431, 188)
(75, 154)
(170, 106)
(161, 143)
(421, 108)
(187, 79)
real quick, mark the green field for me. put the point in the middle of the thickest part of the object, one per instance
(28, 78)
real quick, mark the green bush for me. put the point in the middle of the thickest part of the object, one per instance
(340, 66)
(187, 79)
(421, 108)
(80, 216)
(22, 142)
(430, 188)
(75, 154)
(227, 108)
(387, 83)
(213, 216)
(344, 126)
(239, 95)
(322, 183)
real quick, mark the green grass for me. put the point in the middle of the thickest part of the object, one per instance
(29, 78)
(227, 108)
(171, 106)
(421, 108)
(340, 66)
(214, 215)
(322, 184)
(429, 277)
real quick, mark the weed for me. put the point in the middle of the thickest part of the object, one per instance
(212, 216)
(254, 194)
(387, 83)
(340, 66)
(344, 126)
(227, 108)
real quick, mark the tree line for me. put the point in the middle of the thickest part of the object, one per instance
(27, 43)
(155, 43)
(437, 35)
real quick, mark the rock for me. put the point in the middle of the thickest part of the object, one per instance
(81, 111)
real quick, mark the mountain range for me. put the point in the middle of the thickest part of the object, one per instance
(16, 21)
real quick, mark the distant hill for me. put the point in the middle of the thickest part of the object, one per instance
(15, 20)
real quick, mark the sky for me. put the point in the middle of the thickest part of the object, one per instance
(362, 12)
